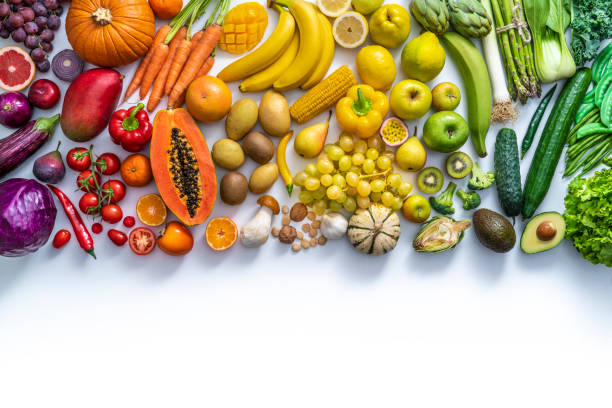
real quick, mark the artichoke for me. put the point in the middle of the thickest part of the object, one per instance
(469, 18)
(439, 234)
(431, 14)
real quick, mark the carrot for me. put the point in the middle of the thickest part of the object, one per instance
(160, 79)
(206, 66)
(137, 79)
(182, 54)
(159, 57)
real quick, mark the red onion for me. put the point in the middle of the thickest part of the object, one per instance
(67, 65)
(15, 110)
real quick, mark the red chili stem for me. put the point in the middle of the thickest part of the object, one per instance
(79, 228)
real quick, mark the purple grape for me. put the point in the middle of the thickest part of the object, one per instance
(19, 35)
(38, 54)
(32, 42)
(47, 35)
(54, 22)
(29, 2)
(4, 33)
(41, 21)
(30, 27)
(39, 9)
(15, 20)
(44, 65)
(5, 10)
(58, 10)
(8, 27)
(46, 46)
(16, 2)
(50, 4)
(27, 14)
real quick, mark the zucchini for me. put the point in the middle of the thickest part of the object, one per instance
(507, 172)
(552, 140)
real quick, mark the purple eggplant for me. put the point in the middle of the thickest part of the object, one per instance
(16, 148)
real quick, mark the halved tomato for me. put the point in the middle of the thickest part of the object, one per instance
(142, 240)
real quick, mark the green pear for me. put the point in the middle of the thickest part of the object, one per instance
(310, 141)
(411, 156)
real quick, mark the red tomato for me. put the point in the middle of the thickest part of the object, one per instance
(129, 221)
(118, 190)
(61, 238)
(96, 228)
(78, 159)
(142, 241)
(86, 182)
(88, 203)
(111, 213)
(118, 237)
(112, 163)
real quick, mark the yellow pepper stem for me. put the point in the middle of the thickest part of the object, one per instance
(362, 105)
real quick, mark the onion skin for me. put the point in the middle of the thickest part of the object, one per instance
(15, 109)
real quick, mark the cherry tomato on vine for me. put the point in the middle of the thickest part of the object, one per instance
(86, 182)
(96, 228)
(78, 159)
(61, 238)
(118, 189)
(118, 237)
(142, 241)
(113, 164)
(88, 203)
(111, 213)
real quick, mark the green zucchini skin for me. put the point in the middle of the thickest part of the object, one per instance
(552, 140)
(507, 172)
(535, 121)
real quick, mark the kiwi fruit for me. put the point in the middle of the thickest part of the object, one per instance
(458, 165)
(233, 188)
(258, 147)
(430, 180)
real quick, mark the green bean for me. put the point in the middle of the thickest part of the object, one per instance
(592, 129)
(573, 166)
(593, 116)
(590, 166)
(585, 144)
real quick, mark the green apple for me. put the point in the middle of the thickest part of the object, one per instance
(446, 96)
(416, 208)
(366, 7)
(445, 131)
(410, 99)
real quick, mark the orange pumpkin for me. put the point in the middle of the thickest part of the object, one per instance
(166, 9)
(208, 99)
(110, 33)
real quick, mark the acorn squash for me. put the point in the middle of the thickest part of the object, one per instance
(182, 166)
(374, 231)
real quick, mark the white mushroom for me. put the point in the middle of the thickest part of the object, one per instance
(333, 225)
(255, 232)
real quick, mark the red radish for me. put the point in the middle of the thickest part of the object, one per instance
(44, 94)
(16, 68)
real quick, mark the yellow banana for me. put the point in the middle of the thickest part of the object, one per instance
(327, 54)
(281, 161)
(264, 55)
(264, 79)
(310, 45)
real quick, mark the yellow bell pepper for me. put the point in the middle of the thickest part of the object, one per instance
(362, 111)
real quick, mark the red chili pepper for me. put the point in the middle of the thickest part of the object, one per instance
(80, 230)
(131, 128)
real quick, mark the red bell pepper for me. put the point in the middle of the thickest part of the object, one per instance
(131, 128)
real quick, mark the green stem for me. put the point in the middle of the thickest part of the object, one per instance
(362, 105)
(47, 125)
(131, 123)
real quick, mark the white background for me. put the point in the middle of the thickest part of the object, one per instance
(326, 327)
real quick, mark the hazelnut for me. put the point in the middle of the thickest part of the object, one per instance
(311, 215)
(322, 240)
(275, 231)
(306, 228)
(313, 242)
(316, 224)
(285, 209)
(300, 235)
(285, 220)
(296, 247)
(312, 232)
(305, 244)
(298, 212)
(287, 234)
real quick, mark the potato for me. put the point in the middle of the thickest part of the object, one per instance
(263, 178)
(241, 118)
(258, 147)
(227, 154)
(274, 114)
(234, 188)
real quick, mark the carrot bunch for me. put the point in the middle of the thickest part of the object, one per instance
(176, 57)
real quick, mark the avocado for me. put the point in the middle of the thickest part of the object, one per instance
(493, 230)
(543, 232)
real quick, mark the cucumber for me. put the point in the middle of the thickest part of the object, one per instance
(507, 172)
(552, 140)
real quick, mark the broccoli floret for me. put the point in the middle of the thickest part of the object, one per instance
(444, 202)
(480, 179)
(470, 200)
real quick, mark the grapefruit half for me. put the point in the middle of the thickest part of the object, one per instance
(16, 69)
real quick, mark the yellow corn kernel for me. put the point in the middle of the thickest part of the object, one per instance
(323, 96)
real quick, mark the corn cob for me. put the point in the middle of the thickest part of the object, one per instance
(323, 96)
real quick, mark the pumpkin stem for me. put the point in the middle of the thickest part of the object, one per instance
(102, 16)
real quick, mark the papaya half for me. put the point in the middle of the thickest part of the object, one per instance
(182, 166)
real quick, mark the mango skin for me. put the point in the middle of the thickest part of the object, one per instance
(89, 103)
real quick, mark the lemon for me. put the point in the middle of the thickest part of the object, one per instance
(423, 57)
(333, 8)
(350, 29)
(376, 67)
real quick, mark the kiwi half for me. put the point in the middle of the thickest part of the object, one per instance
(458, 165)
(430, 180)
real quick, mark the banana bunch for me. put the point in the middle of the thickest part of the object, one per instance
(431, 14)
(297, 54)
(469, 18)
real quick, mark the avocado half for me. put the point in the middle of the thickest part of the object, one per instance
(543, 232)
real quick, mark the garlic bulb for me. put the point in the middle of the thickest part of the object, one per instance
(333, 225)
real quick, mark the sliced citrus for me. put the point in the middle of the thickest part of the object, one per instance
(333, 8)
(151, 210)
(16, 68)
(221, 233)
(350, 29)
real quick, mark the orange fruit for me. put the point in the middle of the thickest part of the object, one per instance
(151, 210)
(208, 99)
(221, 233)
(16, 68)
(136, 170)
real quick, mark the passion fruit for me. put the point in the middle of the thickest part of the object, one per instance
(430, 180)
(458, 165)
(393, 132)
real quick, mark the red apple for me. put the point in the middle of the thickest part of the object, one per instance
(44, 94)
